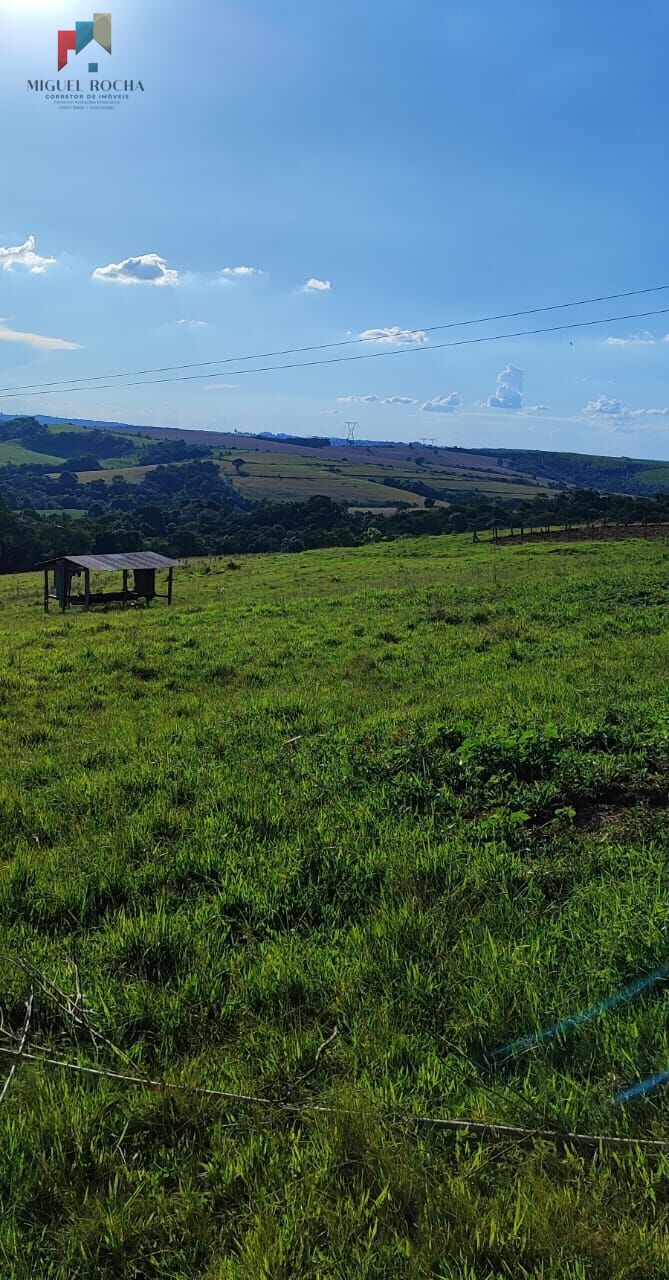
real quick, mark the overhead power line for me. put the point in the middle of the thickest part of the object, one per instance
(346, 342)
(371, 355)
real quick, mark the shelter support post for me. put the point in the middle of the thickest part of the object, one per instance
(62, 585)
(46, 590)
(87, 588)
(125, 587)
(170, 583)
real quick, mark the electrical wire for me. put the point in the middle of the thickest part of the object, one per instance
(347, 342)
(371, 355)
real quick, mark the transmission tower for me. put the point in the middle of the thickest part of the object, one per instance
(351, 428)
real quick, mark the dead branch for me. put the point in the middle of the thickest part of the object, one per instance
(322, 1048)
(74, 1009)
(19, 1052)
(484, 1129)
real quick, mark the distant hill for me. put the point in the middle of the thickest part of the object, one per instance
(78, 422)
(587, 471)
(283, 467)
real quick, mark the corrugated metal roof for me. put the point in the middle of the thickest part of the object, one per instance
(119, 560)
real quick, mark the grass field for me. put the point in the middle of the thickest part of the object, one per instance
(12, 451)
(286, 477)
(132, 474)
(414, 793)
(72, 428)
(355, 479)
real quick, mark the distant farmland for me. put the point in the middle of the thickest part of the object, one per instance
(289, 469)
(358, 476)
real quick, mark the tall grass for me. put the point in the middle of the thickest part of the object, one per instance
(414, 792)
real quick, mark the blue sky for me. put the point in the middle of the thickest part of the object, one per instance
(429, 163)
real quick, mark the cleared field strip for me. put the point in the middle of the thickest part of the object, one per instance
(132, 474)
(296, 481)
(13, 452)
(69, 428)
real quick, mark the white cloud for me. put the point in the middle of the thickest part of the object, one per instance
(36, 340)
(242, 271)
(644, 339)
(221, 386)
(509, 392)
(395, 336)
(193, 324)
(443, 404)
(372, 399)
(24, 255)
(607, 407)
(329, 413)
(316, 286)
(149, 268)
(610, 409)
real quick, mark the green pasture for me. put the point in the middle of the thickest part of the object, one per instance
(72, 428)
(13, 452)
(324, 835)
(133, 474)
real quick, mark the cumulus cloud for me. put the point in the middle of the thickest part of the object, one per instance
(221, 386)
(372, 399)
(24, 255)
(395, 336)
(644, 339)
(610, 409)
(236, 272)
(193, 324)
(36, 339)
(443, 404)
(509, 392)
(316, 286)
(149, 268)
(607, 407)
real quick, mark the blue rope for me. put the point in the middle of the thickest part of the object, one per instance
(641, 1088)
(565, 1025)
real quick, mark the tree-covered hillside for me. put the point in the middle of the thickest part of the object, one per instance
(612, 475)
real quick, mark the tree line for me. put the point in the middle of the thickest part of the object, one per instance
(192, 510)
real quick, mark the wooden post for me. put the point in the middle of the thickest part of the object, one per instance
(60, 581)
(87, 587)
(170, 581)
(46, 590)
(125, 587)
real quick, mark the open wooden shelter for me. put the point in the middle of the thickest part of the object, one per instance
(143, 565)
